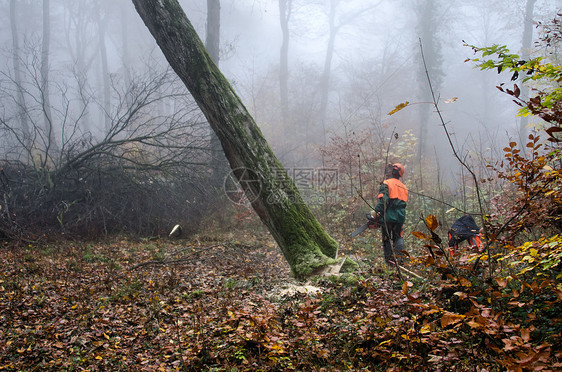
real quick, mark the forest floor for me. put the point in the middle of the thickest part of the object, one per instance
(206, 303)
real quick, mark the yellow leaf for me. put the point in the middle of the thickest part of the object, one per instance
(99, 357)
(529, 259)
(451, 100)
(431, 222)
(106, 336)
(399, 107)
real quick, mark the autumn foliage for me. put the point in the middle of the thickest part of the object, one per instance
(86, 306)
(227, 303)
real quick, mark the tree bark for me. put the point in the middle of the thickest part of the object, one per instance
(273, 195)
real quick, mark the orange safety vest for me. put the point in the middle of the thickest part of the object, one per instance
(396, 189)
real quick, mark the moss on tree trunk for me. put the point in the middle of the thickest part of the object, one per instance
(274, 196)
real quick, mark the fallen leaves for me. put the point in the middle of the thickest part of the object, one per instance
(222, 306)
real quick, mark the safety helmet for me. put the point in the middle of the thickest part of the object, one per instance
(398, 167)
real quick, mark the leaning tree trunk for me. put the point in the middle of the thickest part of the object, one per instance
(274, 196)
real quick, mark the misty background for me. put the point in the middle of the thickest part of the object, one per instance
(87, 98)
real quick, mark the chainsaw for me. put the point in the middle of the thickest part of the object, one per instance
(373, 222)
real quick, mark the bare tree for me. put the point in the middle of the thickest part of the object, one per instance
(101, 20)
(45, 98)
(285, 10)
(125, 42)
(526, 44)
(135, 176)
(335, 25)
(17, 69)
(428, 15)
(274, 196)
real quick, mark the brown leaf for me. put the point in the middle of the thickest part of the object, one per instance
(526, 359)
(501, 282)
(525, 334)
(451, 318)
(465, 282)
(516, 90)
(551, 132)
(419, 235)
(406, 286)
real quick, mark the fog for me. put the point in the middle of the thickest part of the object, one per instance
(376, 64)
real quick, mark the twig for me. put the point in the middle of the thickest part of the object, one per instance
(174, 262)
(411, 272)
(443, 202)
